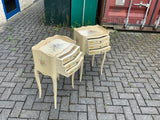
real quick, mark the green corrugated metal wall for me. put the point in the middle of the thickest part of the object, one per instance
(90, 9)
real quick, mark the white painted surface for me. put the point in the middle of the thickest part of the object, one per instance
(23, 4)
(2, 14)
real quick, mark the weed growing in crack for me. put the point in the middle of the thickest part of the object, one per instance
(56, 29)
(14, 49)
(9, 28)
(10, 38)
(116, 33)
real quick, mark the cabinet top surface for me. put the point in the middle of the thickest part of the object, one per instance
(54, 46)
(92, 31)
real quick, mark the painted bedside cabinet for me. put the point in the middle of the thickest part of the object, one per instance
(57, 55)
(93, 40)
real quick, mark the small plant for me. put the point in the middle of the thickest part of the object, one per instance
(138, 36)
(129, 84)
(158, 38)
(10, 38)
(14, 49)
(56, 29)
(103, 25)
(13, 41)
(83, 74)
(105, 105)
(72, 28)
(64, 25)
(9, 28)
(45, 110)
(48, 31)
(22, 73)
(88, 22)
(76, 24)
(44, 20)
(116, 33)
(60, 25)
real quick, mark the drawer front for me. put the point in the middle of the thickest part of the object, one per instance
(75, 68)
(71, 55)
(74, 62)
(98, 46)
(99, 51)
(98, 40)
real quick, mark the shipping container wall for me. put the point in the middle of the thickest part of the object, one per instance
(126, 13)
(155, 19)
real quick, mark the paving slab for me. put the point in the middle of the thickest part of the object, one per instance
(128, 89)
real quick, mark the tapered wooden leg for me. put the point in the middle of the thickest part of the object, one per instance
(93, 60)
(55, 92)
(81, 71)
(38, 82)
(104, 56)
(73, 80)
(58, 76)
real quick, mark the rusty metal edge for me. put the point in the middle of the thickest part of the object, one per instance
(132, 28)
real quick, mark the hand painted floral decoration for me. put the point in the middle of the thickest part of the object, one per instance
(92, 31)
(56, 46)
(42, 62)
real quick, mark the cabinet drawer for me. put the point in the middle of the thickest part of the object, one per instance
(74, 62)
(99, 51)
(75, 68)
(70, 55)
(98, 46)
(98, 40)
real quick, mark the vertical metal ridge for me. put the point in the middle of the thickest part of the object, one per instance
(153, 12)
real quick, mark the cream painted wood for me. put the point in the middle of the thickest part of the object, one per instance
(93, 60)
(93, 40)
(54, 56)
(73, 80)
(104, 56)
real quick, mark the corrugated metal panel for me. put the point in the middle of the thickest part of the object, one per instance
(131, 13)
(83, 12)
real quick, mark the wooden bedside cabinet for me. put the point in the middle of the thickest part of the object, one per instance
(93, 40)
(57, 55)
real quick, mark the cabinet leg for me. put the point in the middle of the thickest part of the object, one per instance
(73, 80)
(58, 76)
(104, 56)
(55, 92)
(81, 71)
(38, 82)
(93, 60)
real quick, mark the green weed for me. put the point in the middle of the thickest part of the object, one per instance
(88, 22)
(9, 28)
(129, 84)
(56, 29)
(72, 28)
(158, 38)
(60, 25)
(105, 105)
(45, 110)
(10, 38)
(14, 49)
(116, 33)
(138, 36)
(44, 20)
(13, 41)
